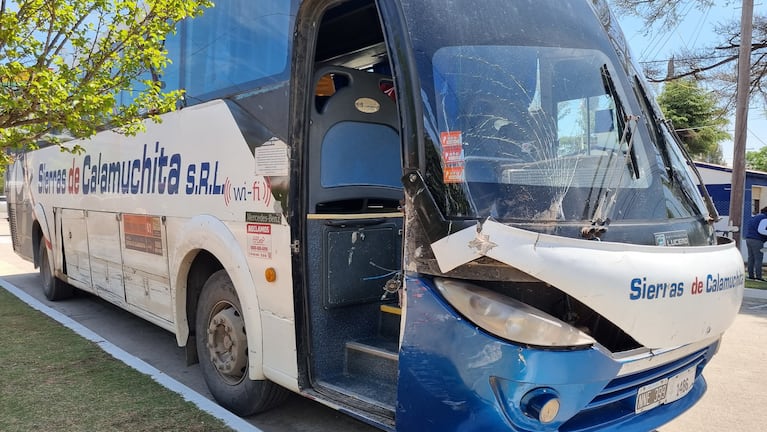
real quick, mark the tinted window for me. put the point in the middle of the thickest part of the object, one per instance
(235, 43)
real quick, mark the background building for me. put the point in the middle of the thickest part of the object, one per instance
(718, 181)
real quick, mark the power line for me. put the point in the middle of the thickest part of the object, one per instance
(660, 39)
(702, 21)
(712, 57)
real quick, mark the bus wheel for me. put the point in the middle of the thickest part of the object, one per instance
(53, 288)
(223, 349)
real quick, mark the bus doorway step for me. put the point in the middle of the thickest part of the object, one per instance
(371, 369)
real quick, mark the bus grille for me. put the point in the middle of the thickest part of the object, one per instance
(616, 401)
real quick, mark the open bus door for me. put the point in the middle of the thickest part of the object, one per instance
(353, 218)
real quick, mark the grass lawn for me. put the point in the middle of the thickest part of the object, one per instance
(51, 379)
(756, 284)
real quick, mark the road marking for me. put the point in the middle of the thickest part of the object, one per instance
(203, 403)
(761, 306)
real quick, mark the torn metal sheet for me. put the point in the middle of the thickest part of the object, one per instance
(645, 290)
(454, 250)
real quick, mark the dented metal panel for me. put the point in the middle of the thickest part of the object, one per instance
(106, 258)
(145, 264)
(74, 231)
(648, 291)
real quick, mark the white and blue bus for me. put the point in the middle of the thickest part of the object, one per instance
(428, 215)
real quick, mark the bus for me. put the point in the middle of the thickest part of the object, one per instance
(427, 215)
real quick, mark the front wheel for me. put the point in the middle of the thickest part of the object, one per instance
(222, 346)
(53, 288)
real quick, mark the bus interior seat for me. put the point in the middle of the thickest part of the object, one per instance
(355, 167)
(356, 152)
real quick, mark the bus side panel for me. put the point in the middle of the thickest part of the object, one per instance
(145, 264)
(194, 181)
(76, 252)
(106, 259)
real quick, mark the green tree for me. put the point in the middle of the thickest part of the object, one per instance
(757, 159)
(696, 118)
(63, 64)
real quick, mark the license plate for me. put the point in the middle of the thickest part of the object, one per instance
(664, 391)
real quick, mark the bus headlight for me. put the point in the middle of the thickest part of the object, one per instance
(508, 318)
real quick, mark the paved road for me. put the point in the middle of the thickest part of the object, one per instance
(734, 402)
(737, 383)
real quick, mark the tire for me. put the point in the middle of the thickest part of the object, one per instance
(223, 351)
(53, 288)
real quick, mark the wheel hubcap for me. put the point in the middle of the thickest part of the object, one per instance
(227, 343)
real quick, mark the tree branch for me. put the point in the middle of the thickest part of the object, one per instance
(696, 71)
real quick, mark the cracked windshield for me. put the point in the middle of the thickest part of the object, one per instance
(545, 134)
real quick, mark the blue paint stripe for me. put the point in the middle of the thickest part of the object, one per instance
(203, 403)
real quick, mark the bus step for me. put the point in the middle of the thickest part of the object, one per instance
(390, 322)
(376, 359)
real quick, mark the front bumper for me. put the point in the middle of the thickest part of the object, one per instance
(455, 376)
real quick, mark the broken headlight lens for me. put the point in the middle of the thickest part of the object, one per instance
(510, 319)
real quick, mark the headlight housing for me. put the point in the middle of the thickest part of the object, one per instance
(508, 318)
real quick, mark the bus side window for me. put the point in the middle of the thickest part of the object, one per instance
(170, 77)
(355, 143)
(234, 45)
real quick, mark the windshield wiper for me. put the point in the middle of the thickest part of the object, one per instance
(666, 136)
(609, 86)
(607, 195)
(605, 199)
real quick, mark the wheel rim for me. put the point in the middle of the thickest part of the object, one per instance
(227, 343)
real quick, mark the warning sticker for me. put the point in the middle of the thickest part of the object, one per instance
(143, 233)
(451, 139)
(260, 240)
(452, 156)
(453, 174)
(272, 158)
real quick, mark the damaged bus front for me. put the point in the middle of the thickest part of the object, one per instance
(561, 266)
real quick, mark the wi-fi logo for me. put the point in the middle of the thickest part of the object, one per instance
(227, 191)
(268, 197)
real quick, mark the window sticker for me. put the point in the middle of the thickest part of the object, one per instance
(453, 174)
(452, 157)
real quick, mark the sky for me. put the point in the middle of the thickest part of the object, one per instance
(696, 31)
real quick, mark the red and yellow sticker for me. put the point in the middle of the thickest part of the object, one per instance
(452, 157)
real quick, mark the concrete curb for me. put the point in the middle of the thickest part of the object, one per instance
(203, 403)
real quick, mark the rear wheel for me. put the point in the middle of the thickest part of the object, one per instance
(222, 347)
(53, 288)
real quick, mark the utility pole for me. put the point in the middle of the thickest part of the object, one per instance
(741, 121)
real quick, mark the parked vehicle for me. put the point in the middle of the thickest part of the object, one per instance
(428, 215)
